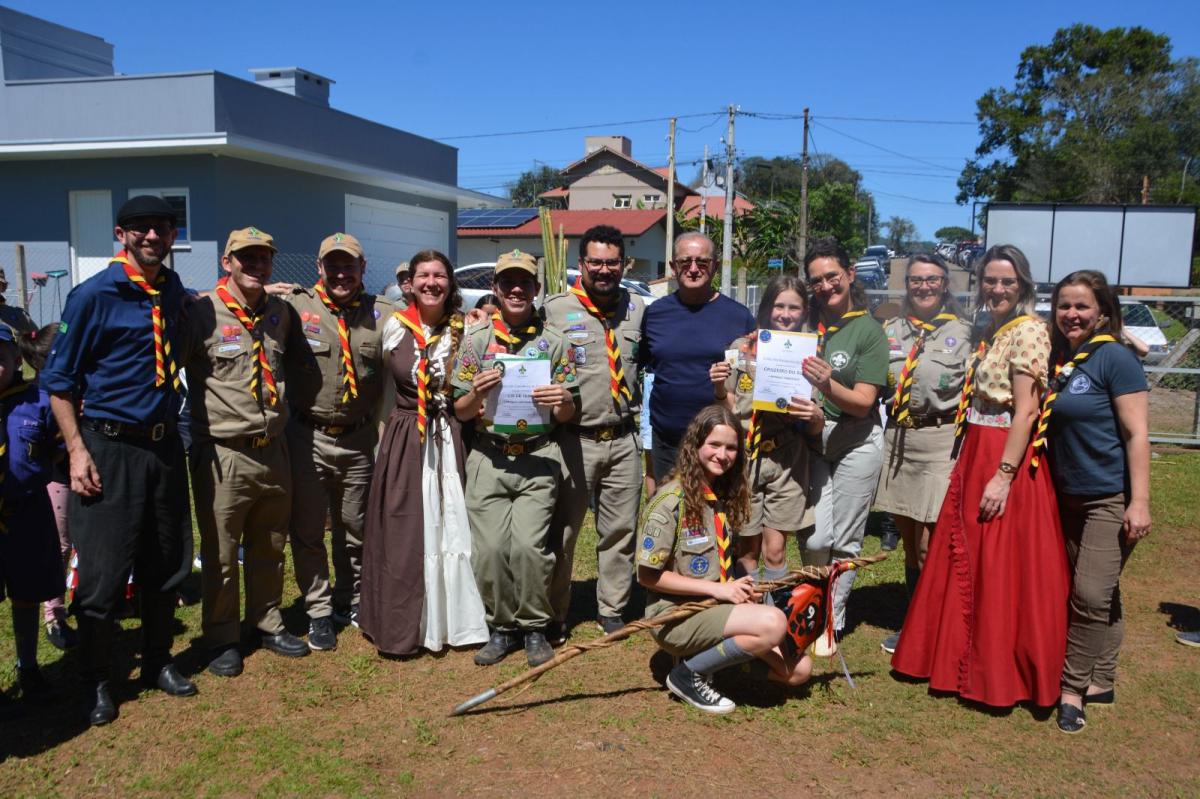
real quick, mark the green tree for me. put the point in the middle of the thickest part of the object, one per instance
(1089, 115)
(953, 233)
(901, 233)
(524, 191)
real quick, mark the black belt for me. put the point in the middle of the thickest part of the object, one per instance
(604, 432)
(929, 420)
(114, 429)
(241, 442)
(334, 430)
(506, 447)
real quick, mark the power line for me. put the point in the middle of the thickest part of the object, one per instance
(770, 116)
(575, 127)
(914, 199)
(886, 150)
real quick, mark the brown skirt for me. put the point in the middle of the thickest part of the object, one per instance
(916, 471)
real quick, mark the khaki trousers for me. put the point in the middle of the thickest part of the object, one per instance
(510, 501)
(330, 476)
(607, 474)
(1094, 531)
(243, 495)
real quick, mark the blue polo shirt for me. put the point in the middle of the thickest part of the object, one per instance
(1086, 446)
(104, 350)
(679, 344)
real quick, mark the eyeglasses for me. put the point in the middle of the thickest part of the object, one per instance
(1006, 282)
(507, 284)
(603, 263)
(933, 281)
(142, 228)
(833, 280)
(703, 263)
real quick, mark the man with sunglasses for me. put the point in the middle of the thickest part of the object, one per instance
(683, 334)
(115, 392)
(602, 324)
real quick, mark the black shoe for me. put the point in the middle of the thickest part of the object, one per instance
(346, 616)
(1071, 719)
(695, 690)
(284, 643)
(321, 635)
(890, 643)
(1101, 699)
(60, 635)
(497, 648)
(609, 624)
(169, 681)
(101, 710)
(226, 663)
(537, 648)
(889, 536)
(32, 682)
(557, 633)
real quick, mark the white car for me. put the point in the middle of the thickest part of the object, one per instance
(1137, 319)
(475, 283)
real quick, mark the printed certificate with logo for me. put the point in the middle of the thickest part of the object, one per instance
(510, 407)
(778, 373)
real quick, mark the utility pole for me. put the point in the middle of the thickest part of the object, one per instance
(727, 239)
(804, 194)
(704, 189)
(1145, 189)
(670, 195)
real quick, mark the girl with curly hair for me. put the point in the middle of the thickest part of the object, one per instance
(689, 542)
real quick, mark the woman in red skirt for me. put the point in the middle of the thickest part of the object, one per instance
(988, 620)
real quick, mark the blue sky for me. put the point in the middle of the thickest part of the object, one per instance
(469, 68)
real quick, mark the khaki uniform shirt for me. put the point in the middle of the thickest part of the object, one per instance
(941, 367)
(587, 351)
(315, 377)
(219, 356)
(665, 543)
(477, 352)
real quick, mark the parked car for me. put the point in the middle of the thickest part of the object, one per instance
(475, 282)
(632, 286)
(881, 254)
(870, 274)
(1138, 320)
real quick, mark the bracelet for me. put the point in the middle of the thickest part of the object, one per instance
(1008, 468)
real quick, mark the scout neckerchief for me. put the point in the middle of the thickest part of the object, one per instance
(1061, 374)
(903, 396)
(163, 362)
(616, 372)
(15, 389)
(824, 333)
(251, 324)
(754, 429)
(508, 337)
(721, 529)
(349, 378)
(968, 389)
(410, 317)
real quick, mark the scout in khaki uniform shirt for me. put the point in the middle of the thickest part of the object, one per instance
(602, 324)
(335, 385)
(235, 341)
(689, 541)
(512, 478)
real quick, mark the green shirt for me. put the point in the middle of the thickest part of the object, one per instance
(858, 353)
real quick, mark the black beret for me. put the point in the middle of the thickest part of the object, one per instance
(145, 205)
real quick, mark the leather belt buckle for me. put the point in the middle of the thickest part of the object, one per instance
(767, 446)
(335, 430)
(605, 434)
(258, 442)
(158, 431)
(514, 449)
(110, 428)
(907, 421)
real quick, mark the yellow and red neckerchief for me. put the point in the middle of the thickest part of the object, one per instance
(964, 399)
(903, 396)
(164, 364)
(1061, 372)
(349, 377)
(410, 317)
(721, 533)
(264, 378)
(824, 332)
(616, 372)
(507, 336)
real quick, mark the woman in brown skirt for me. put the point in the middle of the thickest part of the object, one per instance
(928, 346)
(418, 589)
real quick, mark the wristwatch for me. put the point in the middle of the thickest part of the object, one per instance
(1008, 468)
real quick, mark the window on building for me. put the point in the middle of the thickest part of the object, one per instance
(650, 200)
(622, 200)
(180, 201)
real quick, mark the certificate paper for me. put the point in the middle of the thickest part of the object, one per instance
(777, 373)
(510, 407)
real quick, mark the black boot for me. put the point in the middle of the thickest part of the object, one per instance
(103, 710)
(95, 656)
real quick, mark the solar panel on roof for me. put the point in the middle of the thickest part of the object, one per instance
(496, 217)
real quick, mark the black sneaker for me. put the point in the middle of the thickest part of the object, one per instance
(1071, 719)
(537, 648)
(889, 536)
(890, 643)
(609, 624)
(346, 616)
(695, 690)
(497, 648)
(557, 633)
(60, 635)
(321, 635)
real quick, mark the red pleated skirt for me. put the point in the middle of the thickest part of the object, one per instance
(988, 620)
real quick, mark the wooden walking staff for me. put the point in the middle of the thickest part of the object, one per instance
(818, 574)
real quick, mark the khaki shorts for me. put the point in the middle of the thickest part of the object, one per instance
(778, 483)
(694, 634)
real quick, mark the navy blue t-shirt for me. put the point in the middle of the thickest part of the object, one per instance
(1087, 449)
(679, 344)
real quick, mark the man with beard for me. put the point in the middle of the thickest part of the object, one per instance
(235, 339)
(115, 393)
(336, 382)
(602, 325)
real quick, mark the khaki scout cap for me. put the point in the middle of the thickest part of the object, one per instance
(517, 260)
(340, 241)
(249, 237)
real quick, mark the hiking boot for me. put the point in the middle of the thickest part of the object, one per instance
(537, 648)
(497, 648)
(694, 689)
(1071, 719)
(101, 709)
(890, 643)
(609, 624)
(321, 635)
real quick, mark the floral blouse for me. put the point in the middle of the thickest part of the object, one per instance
(1022, 349)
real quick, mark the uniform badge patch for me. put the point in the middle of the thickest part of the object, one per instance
(764, 335)
(950, 342)
(580, 355)
(839, 359)
(699, 565)
(574, 315)
(648, 543)
(744, 384)
(377, 313)
(543, 345)
(531, 352)
(1080, 384)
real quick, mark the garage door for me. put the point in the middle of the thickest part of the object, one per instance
(392, 232)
